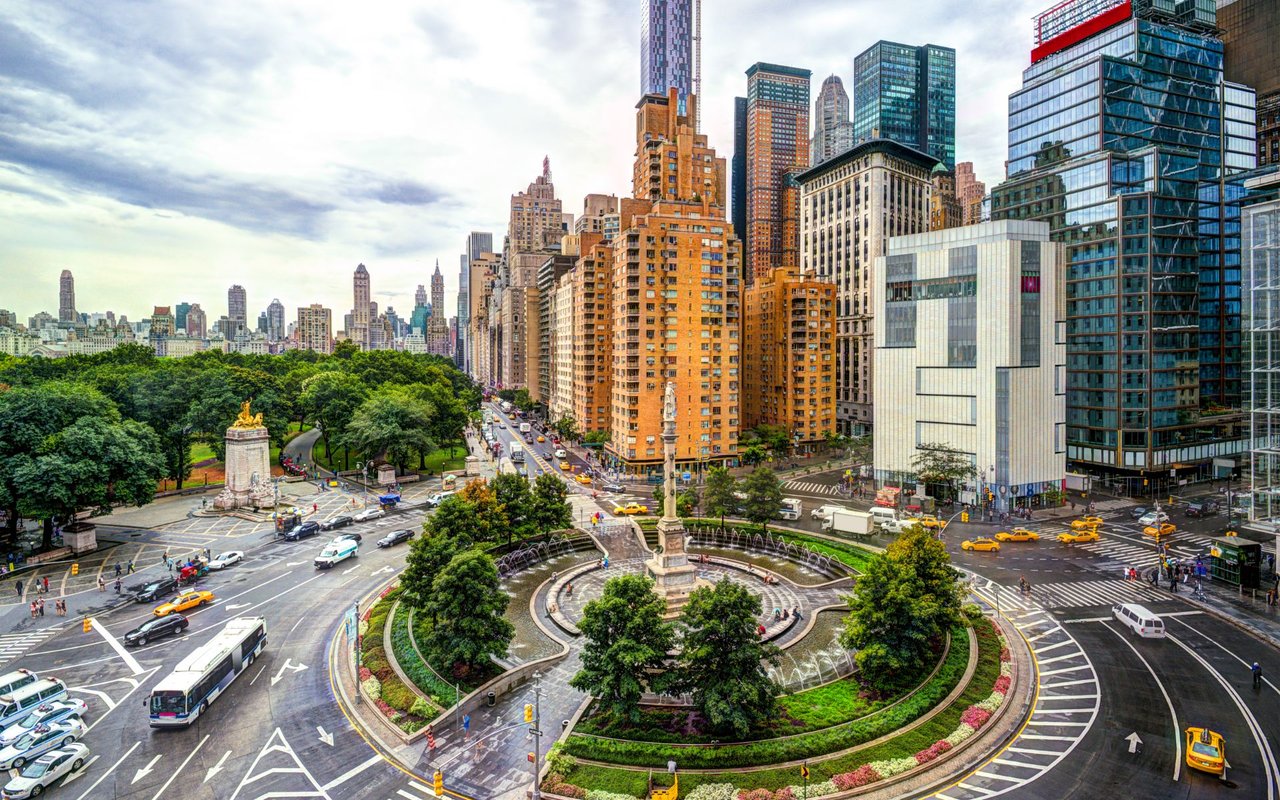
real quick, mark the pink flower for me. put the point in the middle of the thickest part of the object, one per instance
(1002, 684)
(861, 776)
(975, 717)
(1005, 654)
(932, 751)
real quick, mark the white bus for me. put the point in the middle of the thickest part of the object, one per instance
(201, 677)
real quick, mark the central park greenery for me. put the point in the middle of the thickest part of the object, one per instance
(91, 432)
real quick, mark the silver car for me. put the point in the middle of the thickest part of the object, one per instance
(39, 741)
(53, 711)
(45, 771)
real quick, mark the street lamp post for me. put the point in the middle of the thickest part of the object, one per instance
(537, 733)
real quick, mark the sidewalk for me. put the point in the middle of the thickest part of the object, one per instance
(1246, 610)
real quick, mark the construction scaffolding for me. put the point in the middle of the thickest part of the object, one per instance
(1260, 238)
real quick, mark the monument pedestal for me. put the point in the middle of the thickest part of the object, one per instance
(80, 537)
(248, 470)
(674, 578)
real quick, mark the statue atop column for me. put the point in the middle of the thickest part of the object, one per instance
(673, 576)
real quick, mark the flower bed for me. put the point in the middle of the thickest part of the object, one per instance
(379, 681)
(407, 656)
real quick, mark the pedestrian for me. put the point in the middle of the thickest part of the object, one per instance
(1073, 506)
(315, 507)
(131, 566)
(62, 606)
(1256, 669)
(118, 569)
(40, 606)
(164, 559)
(102, 585)
(33, 609)
(19, 588)
(204, 502)
(119, 584)
(46, 584)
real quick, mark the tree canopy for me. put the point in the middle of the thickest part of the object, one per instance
(942, 464)
(763, 493)
(719, 496)
(467, 605)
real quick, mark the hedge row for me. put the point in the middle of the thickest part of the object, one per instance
(407, 657)
(850, 554)
(396, 701)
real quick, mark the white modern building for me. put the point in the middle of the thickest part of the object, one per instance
(1260, 237)
(969, 355)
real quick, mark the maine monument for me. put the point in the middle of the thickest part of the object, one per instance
(248, 464)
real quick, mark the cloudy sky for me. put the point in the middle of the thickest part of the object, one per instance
(164, 150)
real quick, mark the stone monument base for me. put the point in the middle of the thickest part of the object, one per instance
(248, 470)
(674, 578)
(81, 538)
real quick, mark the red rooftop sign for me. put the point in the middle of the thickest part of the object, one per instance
(1073, 21)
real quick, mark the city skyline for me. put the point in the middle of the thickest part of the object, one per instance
(187, 212)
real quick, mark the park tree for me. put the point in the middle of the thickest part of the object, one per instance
(626, 641)
(451, 414)
(753, 454)
(567, 427)
(551, 509)
(722, 659)
(686, 502)
(772, 437)
(516, 502)
(904, 602)
(488, 521)
(160, 398)
(392, 424)
(597, 437)
(942, 464)
(719, 496)
(763, 493)
(447, 532)
(467, 605)
(330, 399)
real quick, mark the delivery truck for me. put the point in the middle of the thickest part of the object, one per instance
(847, 522)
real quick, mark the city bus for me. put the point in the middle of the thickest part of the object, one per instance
(198, 680)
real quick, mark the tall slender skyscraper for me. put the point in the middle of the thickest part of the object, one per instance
(832, 128)
(197, 327)
(907, 94)
(360, 309)
(437, 292)
(777, 148)
(275, 321)
(666, 47)
(738, 169)
(66, 297)
(420, 296)
(237, 311)
(479, 242)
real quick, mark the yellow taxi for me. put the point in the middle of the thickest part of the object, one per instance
(982, 544)
(631, 508)
(1086, 522)
(1079, 536)
(1164, 529)
(184, 601)
(1018, 535)
(929, 521)
(585, 480)
(541, 438)
(1206, 750)
(566, 466)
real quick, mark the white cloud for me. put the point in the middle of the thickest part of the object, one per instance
(165, 150)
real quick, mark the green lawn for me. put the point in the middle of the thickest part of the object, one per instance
(200, 452)
(435, 461)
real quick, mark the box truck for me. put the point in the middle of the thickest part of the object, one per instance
(848, 523)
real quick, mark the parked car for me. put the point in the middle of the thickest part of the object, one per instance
(39, 741)
(153, 629)
(151, 591)
(309, 528)
(46, 771)
(439, 497)
(616, 488)
(224, 560)
(370, 513)
(45, 713)
(395, 537)
(332, 523)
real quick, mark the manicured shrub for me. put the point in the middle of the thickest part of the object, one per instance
(714, 791)
(397, 695)
(1002, 684)
(861, 776)
(975, 717)
(372, 688)
(972, 613)
(600, 794)
(422, 708)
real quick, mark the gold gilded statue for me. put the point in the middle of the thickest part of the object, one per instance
(247, 419)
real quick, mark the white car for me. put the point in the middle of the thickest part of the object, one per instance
(1153, 518)
(43, 714)
(40, 740)
(224, 560)
(439, 497)
(372, 512)
(560, 453)
(45, 770)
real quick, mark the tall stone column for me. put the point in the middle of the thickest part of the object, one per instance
(673, 576)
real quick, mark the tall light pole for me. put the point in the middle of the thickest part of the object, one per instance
(537, 733)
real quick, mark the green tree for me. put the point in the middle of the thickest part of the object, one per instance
(522, 400)
(516, 502)
(567, 427)
(551, 509)
(773, 437)
(450, 416)
(626, 641)
(722, 659)
(942, 464)
(764, 496)
(487, 521)
(467, 604)
(686, 502)
(754, 454)
(392, 424)
(447, 532)
(331, 399)
(905, 600)
(597, 437)
(29, 417)
(160, 398)
(720, 494)
(345, 349)
(660, 500)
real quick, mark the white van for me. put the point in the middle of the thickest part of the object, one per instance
(17, 704)
(16, 680)
(1140, 619)
(824, 512)
(881, 515)
(336, 551)
(790, 508)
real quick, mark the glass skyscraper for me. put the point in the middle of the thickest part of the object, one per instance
(666, 47)
(907, 94)
(1125, 137)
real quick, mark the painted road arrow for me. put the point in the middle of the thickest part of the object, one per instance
(216, 768)
(145, 771)
(1134, 741)
(384, 569)
(293, 563)
(279, 676)
(79, 772)
(234, 606)
(325, 737)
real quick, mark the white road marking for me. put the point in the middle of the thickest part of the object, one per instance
(145, 771)
(216, 768)
(125, 655)
(351, 773)
(180, 768)
(110, 770)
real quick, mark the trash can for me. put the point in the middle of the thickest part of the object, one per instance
(491, 698)
(564, 724)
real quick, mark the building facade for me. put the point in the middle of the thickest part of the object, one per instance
(361, 311)
(850, 206)
(944, 204)
(666, 47)
(237, 311)
(1250, 30)
(738, 177)
(777, 148)
(1260, 237)
(438, 342)
(907, 94)
(275, 321)
(549, 276)
(162, 322)
(789, 346)
(969, 192)
(1124, 138)
(315, 328)
(998, 396)
(676, 297)
(66, 297)
(832, 127)
(197, 324)
(483, 269)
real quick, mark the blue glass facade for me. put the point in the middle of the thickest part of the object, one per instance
(907, 94)
(1125, 143)
(666, 47)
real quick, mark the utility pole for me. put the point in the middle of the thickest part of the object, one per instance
(537, 734)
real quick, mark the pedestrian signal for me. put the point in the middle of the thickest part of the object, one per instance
(75, 569)
(528, 712)
(88, 624)
(438, 783)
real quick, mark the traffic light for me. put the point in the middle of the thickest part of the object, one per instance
(964, 516)
(437, 781)
(528, 712)
(75, 569)
(88, 624)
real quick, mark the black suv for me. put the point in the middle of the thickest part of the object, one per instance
(395, 537)
(304, 530)
(1206, 509)
(156, 628)
(336, 522)
(151, 591)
